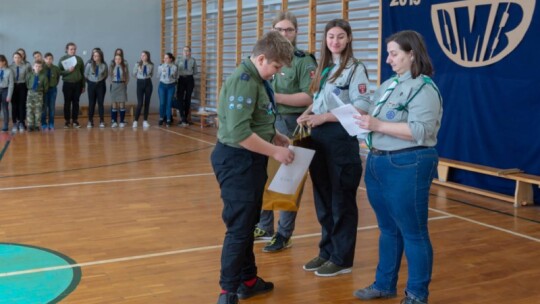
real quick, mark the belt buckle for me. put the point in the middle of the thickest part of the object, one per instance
(377, 151)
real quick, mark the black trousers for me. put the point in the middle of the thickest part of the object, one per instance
(144, 92)
(72, 92)
(18, 103)
(241, 175)
(335, 171)
(96, 94)
(184, 91)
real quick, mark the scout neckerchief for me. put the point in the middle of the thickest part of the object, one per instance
(324, 77)
(379, 106)
(386, 95)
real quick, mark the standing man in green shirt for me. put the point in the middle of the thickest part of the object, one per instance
(246, 138)
(293, 96)
(73, 86)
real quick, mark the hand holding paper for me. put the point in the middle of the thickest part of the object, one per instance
(288, 177)
(69, 63)
(345, 114)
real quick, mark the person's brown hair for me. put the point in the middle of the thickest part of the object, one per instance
(326, 54)
(286, 16)
(411, 41)
(275, 48)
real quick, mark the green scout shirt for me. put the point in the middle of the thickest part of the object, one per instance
(244, 107)
(77, 75)
(43, 84)
(295, 79)
(55, 74)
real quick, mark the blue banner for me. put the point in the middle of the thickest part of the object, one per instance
(488, 71)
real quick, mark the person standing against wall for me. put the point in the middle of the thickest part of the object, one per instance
(187, 68)
(49, 100)
(73, 87)
(6, 90)
(292, 95)
(18, 100)
(119, 75)
(143, 72)
(167, 73)
(96, 73)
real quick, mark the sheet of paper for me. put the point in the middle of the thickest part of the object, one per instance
(288, 177)
(345, 115)
(69, 63)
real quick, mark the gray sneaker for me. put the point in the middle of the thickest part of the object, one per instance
(330, 269)
(314, 264)
(370, 293)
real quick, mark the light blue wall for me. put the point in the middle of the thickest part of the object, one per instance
(47, 26)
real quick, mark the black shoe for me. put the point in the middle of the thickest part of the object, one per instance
(260, 287)
(227, 298)
(66, 125)
(278, 243)
(160, 123)
(168, 123)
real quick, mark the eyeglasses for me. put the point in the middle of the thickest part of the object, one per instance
(288, 30)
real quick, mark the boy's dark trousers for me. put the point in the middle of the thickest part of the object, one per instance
(241, 175)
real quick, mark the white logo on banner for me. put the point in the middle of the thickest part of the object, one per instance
(487, 39)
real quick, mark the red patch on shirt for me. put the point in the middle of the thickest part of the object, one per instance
(312, 74)
(362, 88)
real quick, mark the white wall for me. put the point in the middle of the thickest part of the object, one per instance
(47, 26)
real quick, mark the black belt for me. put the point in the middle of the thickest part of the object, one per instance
(382, 152)
(185, 76)
(118, 81)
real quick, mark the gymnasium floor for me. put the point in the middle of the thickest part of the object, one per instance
(134, 216)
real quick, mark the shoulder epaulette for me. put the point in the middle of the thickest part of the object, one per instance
(299, 53)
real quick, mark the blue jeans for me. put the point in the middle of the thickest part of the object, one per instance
(166, 93)
(398, 190)
(285, 124)
(49, 104)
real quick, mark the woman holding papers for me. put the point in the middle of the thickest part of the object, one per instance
(404, 119)
(336, 168)
(72, 71)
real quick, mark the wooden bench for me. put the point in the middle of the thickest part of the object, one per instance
(523, 194)
(204, 116)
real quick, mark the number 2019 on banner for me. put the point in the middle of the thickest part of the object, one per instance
(404, 2)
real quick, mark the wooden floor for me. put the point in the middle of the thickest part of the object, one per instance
(139, 211)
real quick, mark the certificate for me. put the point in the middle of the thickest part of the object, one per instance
(345, 115)
(288, 177)
(69, 63)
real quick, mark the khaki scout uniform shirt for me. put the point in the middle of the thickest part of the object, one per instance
(295, 79)
(351, 87)
(414, 101)
(245, 107)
